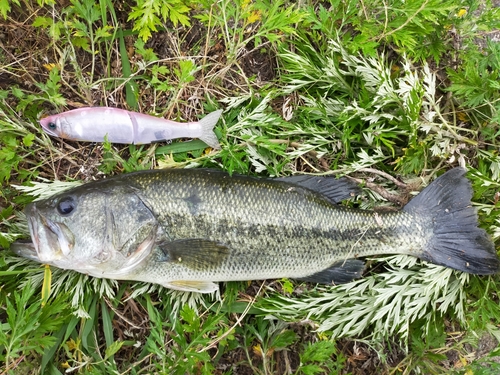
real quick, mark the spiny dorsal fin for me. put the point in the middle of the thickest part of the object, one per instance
(334, 189)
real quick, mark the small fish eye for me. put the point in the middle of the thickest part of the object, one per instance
(52, 125)
(66, 206)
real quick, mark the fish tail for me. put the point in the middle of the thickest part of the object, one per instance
(456, 240)
(207, 125)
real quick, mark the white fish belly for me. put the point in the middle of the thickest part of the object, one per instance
(155, 129)
(94, 124)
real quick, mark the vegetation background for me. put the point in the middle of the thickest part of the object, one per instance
(390, 92)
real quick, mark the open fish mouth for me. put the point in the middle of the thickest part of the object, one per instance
(50, 240)
(25, 248)
(47, 130)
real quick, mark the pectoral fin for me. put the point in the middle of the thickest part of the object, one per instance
(196, 254)
(192, 286)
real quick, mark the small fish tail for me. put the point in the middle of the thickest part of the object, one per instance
(207, 125)
(456, 241)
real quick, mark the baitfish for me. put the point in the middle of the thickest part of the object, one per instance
(189, 228)
(92, 124)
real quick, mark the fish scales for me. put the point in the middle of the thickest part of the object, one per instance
(268, 224)
(186, 229)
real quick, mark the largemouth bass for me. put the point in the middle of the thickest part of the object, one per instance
(187, 229)
(92, 124)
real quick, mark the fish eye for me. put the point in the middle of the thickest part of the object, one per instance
(66, 205)
(52, 125)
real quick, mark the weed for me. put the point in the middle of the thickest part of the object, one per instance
(28, 326)
(18, 142)
(373, 108)
(391, 302)
(187, 351)
(247, 26)
(147, 15)
(138, 159)
(264, 337)
(321, 357)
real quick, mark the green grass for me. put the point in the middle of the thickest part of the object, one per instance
(388, 92)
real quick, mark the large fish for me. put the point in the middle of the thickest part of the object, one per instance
(120, 126)
(186, 229)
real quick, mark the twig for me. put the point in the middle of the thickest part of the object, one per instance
(135, 365)
(398, 183)
(384, 35)
(309, 164)
(120, 315)
(381, 191)
(13, 366)
(364, 9)
(237, 323)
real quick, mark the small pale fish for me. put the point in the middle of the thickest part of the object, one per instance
(93, 124)
(188, 229)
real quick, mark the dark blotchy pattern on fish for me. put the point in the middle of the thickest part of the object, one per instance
(208, 226)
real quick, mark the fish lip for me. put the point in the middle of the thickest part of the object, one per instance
(48, 237)
(32, 213)
(49, 132)
(25, 249)
(55, 237)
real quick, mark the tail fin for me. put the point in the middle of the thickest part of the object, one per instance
(207, 125)
(456, 242)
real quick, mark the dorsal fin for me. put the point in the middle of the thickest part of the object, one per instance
(332, 188)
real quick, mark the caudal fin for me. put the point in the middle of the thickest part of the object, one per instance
(457, 242)
(207, 125)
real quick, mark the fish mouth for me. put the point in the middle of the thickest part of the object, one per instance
(51, 240)
(49, 132)
(26, 249)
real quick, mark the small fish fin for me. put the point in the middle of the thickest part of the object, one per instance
(456, 242)
(192, 286)
(207, 125)
(197, 254)
(334, 189)
(339, 273)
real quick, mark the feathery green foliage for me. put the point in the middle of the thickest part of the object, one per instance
(389, 303)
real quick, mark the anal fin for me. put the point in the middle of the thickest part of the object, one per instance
(338, 273)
